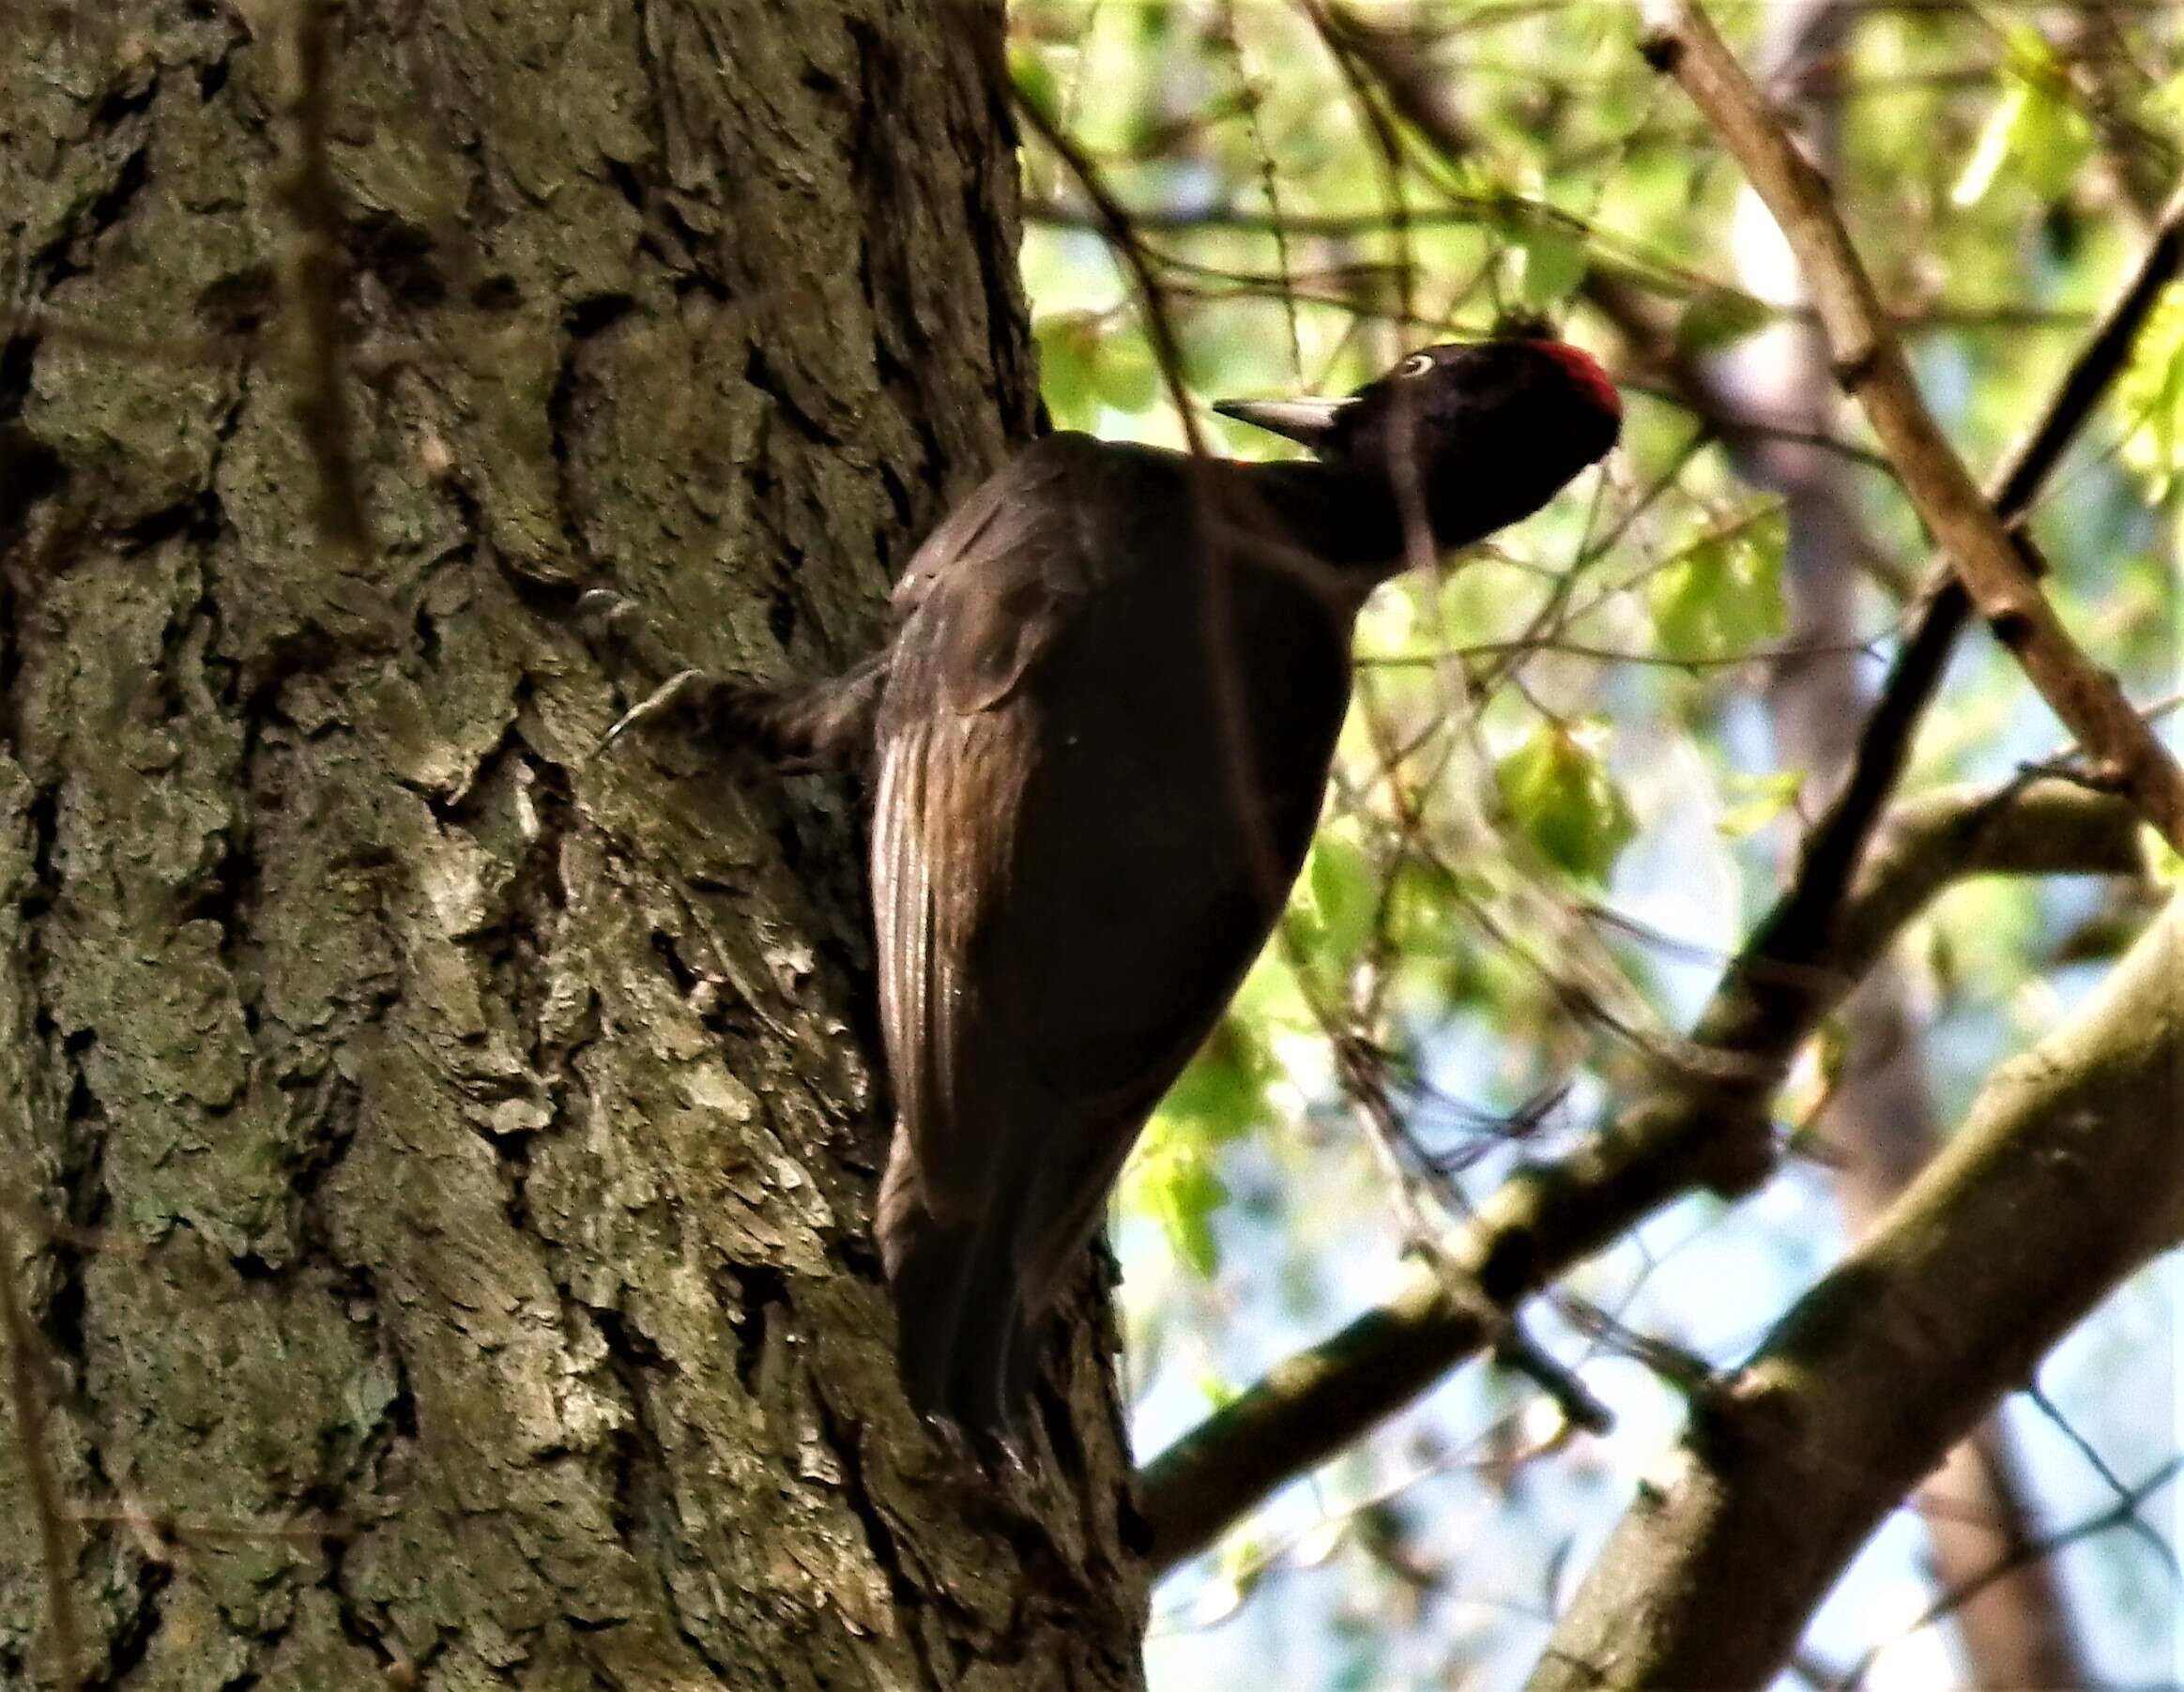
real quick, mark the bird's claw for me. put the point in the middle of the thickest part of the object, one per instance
(1008, 1456)
(990, 1450)
(949, 1433)
(605, 605)
(654, 704)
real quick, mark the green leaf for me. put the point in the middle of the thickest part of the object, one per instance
(1559, 794)
(1554, 261)
(1763, 797)
(2036, 126)
(1421, 907)
(2152, 394)
(1223, 1093)
(1723, 595)
(2053, 142)
(1033, 75)
(1342, 890)
(1175, 1181)
(1067, 346)
(1125, 374)
(2164, 866)
(1719, 317)
(1171, 1176)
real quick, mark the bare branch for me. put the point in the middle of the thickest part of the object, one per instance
(1868, 362)
(1831, 855)
(2031, 1553)
(1548, 1219)
(1949, 1304)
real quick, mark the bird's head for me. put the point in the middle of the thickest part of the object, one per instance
(1484, 430)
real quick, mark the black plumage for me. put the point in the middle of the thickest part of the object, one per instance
(1102, 730)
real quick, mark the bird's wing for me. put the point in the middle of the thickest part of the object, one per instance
(1052, 832)
(977, 604)
(949, 787)
(984, 599)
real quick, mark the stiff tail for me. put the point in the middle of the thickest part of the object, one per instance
(964, 1350)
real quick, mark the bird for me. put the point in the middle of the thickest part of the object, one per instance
(1099, 740)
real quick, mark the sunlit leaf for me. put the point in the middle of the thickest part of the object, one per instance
(2151, 394)
(1343, 892)
(1223, 1093)
(1560, 795)
(1765, 797)
(1173, 1179)
(1723, 596)
(1719, 318)
(1068, 347)
(1125, 373)
(2164, 866)
(2035, 127)
(1555, 262)
(1033, 76)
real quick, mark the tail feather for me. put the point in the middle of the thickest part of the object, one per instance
(960, 1324)
(958, 1310)
(930, 1281)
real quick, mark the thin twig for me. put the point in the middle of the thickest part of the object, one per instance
(2123, 1513)
(1667, 1143)
(1997, 574)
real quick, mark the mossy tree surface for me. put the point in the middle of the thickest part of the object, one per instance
(464, 1145)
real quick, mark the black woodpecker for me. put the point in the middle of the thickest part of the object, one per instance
(1102, 732)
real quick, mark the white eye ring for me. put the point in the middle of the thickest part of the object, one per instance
(1417, 364)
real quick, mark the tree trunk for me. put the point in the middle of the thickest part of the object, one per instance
(437, 1161)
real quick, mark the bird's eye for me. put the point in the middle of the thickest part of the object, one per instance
(1417, 364)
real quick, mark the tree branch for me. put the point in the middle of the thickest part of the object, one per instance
(1832, 854)
(1546, 1219)
(1681, 41)
(2068, 1176)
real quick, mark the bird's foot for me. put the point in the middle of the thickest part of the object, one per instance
(608, 609)
(659, 702)
(1001, 1455)
(996, 1453)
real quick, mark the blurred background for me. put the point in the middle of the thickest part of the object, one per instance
(1584, 757)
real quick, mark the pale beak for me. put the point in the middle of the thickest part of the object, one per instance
(1306, 421)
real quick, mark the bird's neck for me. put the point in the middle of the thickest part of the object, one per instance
(1355, 522)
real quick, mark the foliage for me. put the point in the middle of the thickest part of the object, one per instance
(1561, 803)
(1561, 797)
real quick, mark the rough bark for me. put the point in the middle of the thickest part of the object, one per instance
(417, 1131)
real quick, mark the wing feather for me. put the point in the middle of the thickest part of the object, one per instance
(949, 788)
